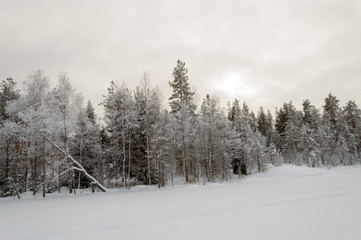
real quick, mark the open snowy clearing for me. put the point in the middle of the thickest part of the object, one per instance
(286, 202)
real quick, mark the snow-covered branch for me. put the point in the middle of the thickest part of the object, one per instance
(79, 166)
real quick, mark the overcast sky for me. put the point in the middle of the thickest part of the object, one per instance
(262, 52)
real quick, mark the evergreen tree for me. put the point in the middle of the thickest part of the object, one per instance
(182, 106)
(331, 110)
(8, 92)
(9, 139)
(120, 118)
(86, 145)
(261, 122)
(352, 116)
(331, 119)
(270, 131)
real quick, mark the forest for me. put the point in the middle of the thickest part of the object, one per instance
(50, 138)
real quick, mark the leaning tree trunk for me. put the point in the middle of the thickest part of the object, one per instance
(79, 167)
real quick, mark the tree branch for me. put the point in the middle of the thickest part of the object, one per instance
(79, 166)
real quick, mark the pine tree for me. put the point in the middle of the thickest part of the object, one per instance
(182, 106)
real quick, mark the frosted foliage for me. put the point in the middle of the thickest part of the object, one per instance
(51, 139)
(36, 88)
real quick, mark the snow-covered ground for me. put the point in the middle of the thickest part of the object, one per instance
(285, 202)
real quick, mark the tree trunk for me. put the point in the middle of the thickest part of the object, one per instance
(73, 181)
(145, 78)
(59, 180)
(101, 169)
(7, 160)
(210, 154)
(80, 159)
(124, 157)
(43, 161)
(184, 155)
(159, 172)
(148, 150)
(26, 178)
(34, 176)
(44, 177)
(129, 156)
(70, 182)
(205, 156)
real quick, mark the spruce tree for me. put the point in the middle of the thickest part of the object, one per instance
(8, 92)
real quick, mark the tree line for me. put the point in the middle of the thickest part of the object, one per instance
(50, 138)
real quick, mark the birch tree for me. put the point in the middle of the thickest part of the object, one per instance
(30, 110)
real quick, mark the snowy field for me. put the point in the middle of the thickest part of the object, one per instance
(284, 203)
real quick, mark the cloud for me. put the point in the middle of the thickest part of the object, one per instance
(289, 50)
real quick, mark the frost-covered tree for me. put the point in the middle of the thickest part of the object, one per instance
(265, 126)
(331, 111)
(63, 113)
(352, 117)
(140, 138)
(148, 107)
(162, 149)
(208, 118)
(29, 113)
(42, 121)
(261, 122)
(181, 103)
(8, 92)
(214, 140)
(9, 139)
(155, 127)
(334, 127)
(249, 145)
(43, 132)
(86, 144)
(239, 156)
(120, 118)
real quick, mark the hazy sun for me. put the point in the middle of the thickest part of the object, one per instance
(235, 85)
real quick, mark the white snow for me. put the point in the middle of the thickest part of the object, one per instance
(285, 202)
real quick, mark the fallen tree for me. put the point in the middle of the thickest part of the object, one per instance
(78, 167)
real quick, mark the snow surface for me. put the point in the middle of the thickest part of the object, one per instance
(285, 202)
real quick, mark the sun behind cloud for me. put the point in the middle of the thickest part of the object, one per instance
(235, 85)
